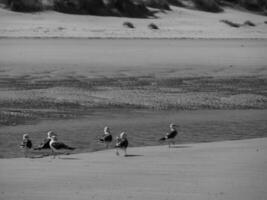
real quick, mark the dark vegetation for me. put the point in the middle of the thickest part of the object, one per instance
(153, 26)
(160, 4)
(128, 24)
(131, 8)
(237, 25)
(207, 5)
(249, 23)
(24, 5)
(230, 23)
(127, 8)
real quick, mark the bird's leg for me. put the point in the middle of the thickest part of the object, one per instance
(25, 152)
(125, 152)
(53, 154)
(117, 152)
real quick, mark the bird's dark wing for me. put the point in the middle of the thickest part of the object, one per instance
(162, 139)
(108, 138)
(172, 134)
(61, 145)
(122, 143)
(44, 145)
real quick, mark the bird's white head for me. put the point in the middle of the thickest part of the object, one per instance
(106, 129)
(25, 136)
(173, 126)
(50, 134)
(54, 138)
(123, 135)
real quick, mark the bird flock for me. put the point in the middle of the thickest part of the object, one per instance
(57, 147)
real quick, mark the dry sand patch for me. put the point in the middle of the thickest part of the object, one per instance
(232, 170)
(178, 23)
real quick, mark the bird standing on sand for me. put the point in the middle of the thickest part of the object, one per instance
(171, 135)
(122, 143)
(107, 137)
(26, 144)
(46, 142)
(57, 147)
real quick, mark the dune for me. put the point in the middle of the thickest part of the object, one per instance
(178, 23)
(219, 170)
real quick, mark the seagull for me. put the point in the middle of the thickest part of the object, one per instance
(122, 143)
(58, 146)
(171, 135)
(26, 145)
(107, 137)
(46, 142)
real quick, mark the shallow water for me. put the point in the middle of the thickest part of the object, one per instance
(144, 128)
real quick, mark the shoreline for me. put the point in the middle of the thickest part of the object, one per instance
(144, 129)
(139, 147)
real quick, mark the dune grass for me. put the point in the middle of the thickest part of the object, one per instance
(160, 4)
(128, 25)
(131, 8)
(176, 3)
(249, 23)
(230, 23)
(207, 5)
(153, 26)
(25, 5)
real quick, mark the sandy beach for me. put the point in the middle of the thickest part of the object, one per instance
(220, 170)
(74, 74)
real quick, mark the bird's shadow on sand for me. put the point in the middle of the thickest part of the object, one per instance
(133, 155)
(179, 146)
(69, 158)
(39, 156)
(36, 157)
